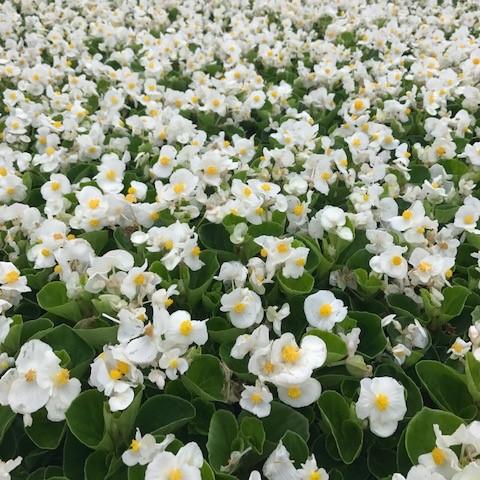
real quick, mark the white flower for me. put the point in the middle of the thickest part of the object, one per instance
(8, 466)
(10, 278)
(246, 343)
(310, 471)
(293, 364)
(442, 459)
(276, 316)
(391, 263)
(323, 310)
(27, 387)
(382, 401)
(459, 348)
(300, 394)
(278, 465)
(244, 307)
(256, 399)
(400, 353)
(409, 218)
(185, 465)
(180, 330)
(173, 364)
(143, 449)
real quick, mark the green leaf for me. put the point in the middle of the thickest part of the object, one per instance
(44, 433)
(336, 347)
(220, 330)
(98, 240)
(281, 419)
(472, 373)
(6, 419)
(296, 286)
(447, 388)
(420, 437)
(223, 431)
(164, 414)
(75, 454)
(96, 466)
(372, 337)
(252, 430)
(206, 472)
(201, 279)
(86, 421)
(53, 298)
(205, 378)
(454, 301)
(98, 337)
(296, 446)
(346, 432)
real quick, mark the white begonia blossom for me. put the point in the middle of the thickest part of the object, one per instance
(9, 466)
(382, 401)
(390, 262)
(301, 394)
(278, 465)
(244, 307)
(323, 310)
(184, 465)
(256, 399)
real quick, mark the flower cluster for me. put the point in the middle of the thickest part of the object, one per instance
(252, 224)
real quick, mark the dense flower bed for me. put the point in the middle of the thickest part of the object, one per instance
(239, 239)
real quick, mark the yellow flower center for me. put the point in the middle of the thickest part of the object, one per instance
(168, 244)
(314, 476)
(12, 276)
(326, 176)
(186, 328)
(164, 160)
(396, 260)
(123, 367)
(300, 262)
(46, 252)
(247, 191)
(440, 151)
(196, 251)
(268, 368)
(424, 266)
(469, 219)
(239, 307)
(290, 354)
(175, 474)
(135, 445)
(407, 215)
(111, 175)
(50, 151)
(139, 279)
(3, 171)
(55, 186)
(381, 401)
(211, 170)
(282, 247)
(438, 456)
(298, 209)
(358, 104)
(62, 377)
(31, 376)
(94, 203)
(256, 398)
(325, 310)
(173, 363)
(294, 392)
(179, 187)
